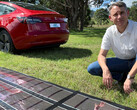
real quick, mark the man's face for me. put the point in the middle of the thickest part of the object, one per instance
(119, 16)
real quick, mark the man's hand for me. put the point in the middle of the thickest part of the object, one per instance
(127, 86)
(107, 79)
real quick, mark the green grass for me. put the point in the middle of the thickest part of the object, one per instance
(67, 66)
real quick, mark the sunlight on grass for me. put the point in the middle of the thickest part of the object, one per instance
(67, 66)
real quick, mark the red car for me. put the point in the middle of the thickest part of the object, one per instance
(25, 25)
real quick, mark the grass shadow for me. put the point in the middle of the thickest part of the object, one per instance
(119, 87)
(134, 86)
(60, 53)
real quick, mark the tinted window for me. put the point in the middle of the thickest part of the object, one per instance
(4, 9)
(32, 6)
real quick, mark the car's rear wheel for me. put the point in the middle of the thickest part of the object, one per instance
(6, 44)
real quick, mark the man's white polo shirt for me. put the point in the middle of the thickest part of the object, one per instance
(124, 45)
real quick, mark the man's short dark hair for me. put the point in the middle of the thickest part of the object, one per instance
(119, 4)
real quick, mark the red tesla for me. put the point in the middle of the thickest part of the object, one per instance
(25, 25)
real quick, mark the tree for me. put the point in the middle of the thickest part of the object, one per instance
(96, 2)
(74, 10)
(101, 16)
(92, 22)
(76, 13)
(133, 10)
(134, 3)
(87, 17)
(133, 14)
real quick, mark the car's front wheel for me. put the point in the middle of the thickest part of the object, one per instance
(6, 44)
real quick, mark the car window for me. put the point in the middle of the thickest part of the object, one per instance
(1, 9)
(4, 9)
(32, 6)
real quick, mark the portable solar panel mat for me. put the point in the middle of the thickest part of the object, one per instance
(22, 92)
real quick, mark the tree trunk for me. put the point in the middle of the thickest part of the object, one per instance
(84, 6)
(73, 14)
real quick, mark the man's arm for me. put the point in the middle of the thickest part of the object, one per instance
(107, 77)
(128, 82)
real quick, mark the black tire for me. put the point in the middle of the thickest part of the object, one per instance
(56, 46)
(6, 44)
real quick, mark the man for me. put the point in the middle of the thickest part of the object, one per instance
(122, 39)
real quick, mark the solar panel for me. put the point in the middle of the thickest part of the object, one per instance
(19, 91)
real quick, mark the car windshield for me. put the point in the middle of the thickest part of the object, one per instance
(32, 6)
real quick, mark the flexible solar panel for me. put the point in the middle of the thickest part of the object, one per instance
(22, 92)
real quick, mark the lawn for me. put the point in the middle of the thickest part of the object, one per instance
(67, 66)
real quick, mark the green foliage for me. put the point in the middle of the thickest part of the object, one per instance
(134, 3)
(101, 16)
(91, 23)
(87, 18)
(133, 13)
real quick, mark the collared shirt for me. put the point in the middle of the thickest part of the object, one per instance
(124, 45)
